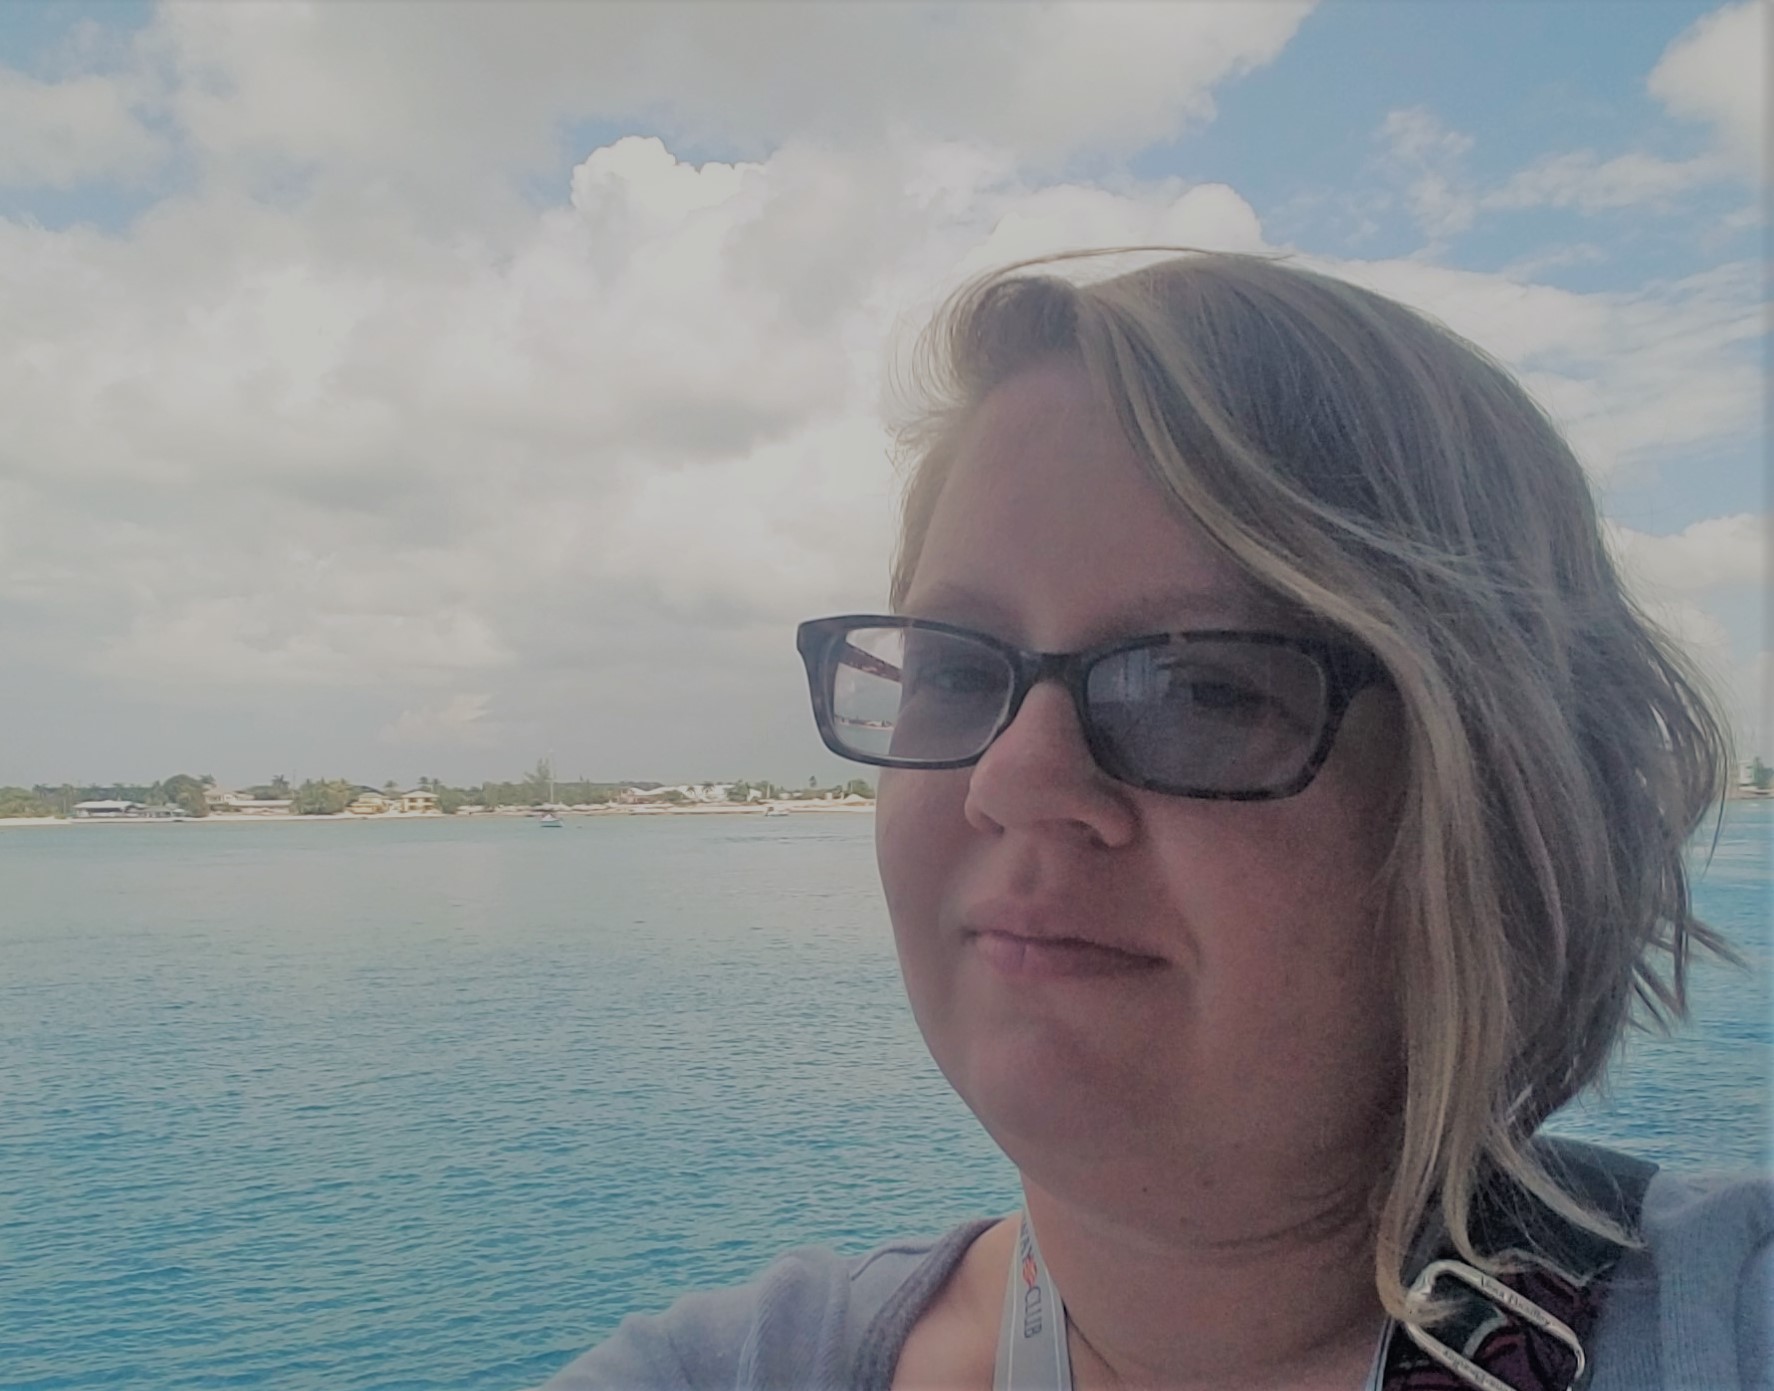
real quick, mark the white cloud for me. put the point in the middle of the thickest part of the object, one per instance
(1429, 156)
(1636, 377)
(326, 422)
(1583, 180)
(572, 463)
(1126, 73)
(461, 722)
(1716, 553)
(1699, 632)
(1415, 133)
(1740, 686)
(253, 447)
(413, 92)
(253, 640)
(1444, 199)
(1678, 578)
(1209, 217)
(1717, 72)
(64, 133)
(1752, 693)
(1553, 257)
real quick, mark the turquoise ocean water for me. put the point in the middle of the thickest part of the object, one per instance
(432, 1104)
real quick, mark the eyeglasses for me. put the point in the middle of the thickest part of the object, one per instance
(1238, 716)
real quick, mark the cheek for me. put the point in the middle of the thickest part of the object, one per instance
(1366, 768)
(1331, 862)
(1284, 901)
(918, 834)
(900, 827)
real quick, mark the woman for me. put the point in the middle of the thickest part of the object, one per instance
(1281, 812)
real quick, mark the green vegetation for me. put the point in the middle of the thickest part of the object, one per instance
(181, 790)
(327, 798)
(856, 787)
(533, 791)
(22, 801)
(184, 792)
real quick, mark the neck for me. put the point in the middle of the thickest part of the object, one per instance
(1288, 1304)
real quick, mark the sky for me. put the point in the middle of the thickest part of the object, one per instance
(418, 389)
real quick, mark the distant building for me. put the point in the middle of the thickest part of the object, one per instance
(633, 795)
(420, 801)
(368, 803)
(105, 810)
(688, 791)
(233, 804)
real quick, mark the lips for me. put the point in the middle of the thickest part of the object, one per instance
(1024, 944)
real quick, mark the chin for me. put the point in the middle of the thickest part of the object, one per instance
(1043, 1098)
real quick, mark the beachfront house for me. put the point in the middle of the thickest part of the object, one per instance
(108, 809)
(684, 792)
(637, 796)
(419, 801)
(233, 804)
(368, 802)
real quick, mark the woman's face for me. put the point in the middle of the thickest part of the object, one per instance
(1235, 1027)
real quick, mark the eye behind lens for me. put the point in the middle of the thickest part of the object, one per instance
(924, 695)
(1231, 717)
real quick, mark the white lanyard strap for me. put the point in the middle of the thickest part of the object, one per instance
(1032, 1352)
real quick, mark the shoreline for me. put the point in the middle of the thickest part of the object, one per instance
(527, 814)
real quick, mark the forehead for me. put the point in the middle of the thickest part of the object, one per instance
(1049, 524)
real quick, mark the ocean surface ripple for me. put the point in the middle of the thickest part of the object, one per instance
(432, 1105)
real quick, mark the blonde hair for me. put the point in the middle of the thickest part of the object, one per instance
(1372, 468)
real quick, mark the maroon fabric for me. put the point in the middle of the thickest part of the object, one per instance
(1516, 1353)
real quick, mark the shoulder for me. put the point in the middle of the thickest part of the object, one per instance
(1694, 1307)
(803, 1321)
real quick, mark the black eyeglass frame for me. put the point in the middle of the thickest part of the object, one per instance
(1348, 670)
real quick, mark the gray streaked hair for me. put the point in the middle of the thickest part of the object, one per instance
(1380, 473)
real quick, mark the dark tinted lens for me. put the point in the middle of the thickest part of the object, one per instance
(917, 694)
(1209, 715)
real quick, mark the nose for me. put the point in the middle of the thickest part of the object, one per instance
(1039, 772)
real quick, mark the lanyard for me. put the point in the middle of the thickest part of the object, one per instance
(1519, 1332)
(1032, 1352)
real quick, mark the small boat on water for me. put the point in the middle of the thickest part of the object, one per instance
(551, 822)
(774, 810)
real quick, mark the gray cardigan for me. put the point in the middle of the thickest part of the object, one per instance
(1692, 1311)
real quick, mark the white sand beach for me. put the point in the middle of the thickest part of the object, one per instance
(801, 808)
